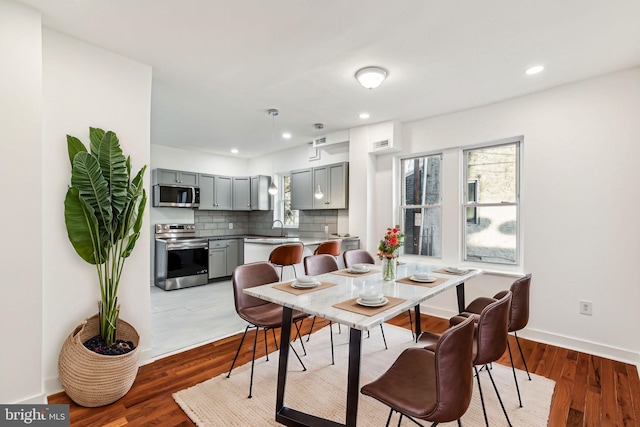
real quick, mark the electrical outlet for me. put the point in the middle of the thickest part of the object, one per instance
(586, 307)
(230, 226)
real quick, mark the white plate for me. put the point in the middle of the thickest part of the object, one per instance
(425, 280)
(380, 303)
(354, 271)
(456, 270)
(304, 285)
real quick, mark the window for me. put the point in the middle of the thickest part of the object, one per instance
(491, 203)
(421, 205)
(283, 212)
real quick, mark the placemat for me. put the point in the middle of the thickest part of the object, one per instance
(444, 271)
(354, 307)
(345, 272)
(286, 286)
(408, 281)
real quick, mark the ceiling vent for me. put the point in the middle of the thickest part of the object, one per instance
(385, 137)
(330, 139)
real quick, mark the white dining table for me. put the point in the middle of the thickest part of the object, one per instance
(321, 303)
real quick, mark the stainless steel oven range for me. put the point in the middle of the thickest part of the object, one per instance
(181, 258)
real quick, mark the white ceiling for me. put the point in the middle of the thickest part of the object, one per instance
(219, 65)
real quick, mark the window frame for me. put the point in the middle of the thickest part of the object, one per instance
(466, 204)
(279, 209)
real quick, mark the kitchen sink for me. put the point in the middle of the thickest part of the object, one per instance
(271, 240)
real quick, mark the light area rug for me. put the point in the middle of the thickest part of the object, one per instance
(321, 390)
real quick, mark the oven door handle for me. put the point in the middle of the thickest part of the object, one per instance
(182, 246)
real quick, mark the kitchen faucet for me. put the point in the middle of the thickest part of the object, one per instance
(281, 227)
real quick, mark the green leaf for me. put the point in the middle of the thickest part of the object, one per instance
(95, 135)
(74, 146)
(114, 169)
(92, 187)
(82, 227)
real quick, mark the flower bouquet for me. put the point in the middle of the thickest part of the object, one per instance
(387, 252)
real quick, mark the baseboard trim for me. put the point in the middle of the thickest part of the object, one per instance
(571, 343)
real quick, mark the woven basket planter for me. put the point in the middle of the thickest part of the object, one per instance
(92, 379)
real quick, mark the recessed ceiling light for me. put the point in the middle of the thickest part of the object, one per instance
(364, 115)
(234, 151)
(534, 70)
(286, 135)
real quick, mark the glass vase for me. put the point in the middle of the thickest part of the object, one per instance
(389, 268)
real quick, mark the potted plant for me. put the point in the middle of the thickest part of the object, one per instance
(103, 211)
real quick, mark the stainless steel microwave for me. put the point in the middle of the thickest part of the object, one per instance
(176, 196)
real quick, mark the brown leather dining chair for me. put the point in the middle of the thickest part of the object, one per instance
(490, 341)
(331, 247)
(287, 255)
(257, 312)
(518, 317)
(360, 256)
(430, 384)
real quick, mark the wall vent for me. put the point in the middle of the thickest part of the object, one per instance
(319, 142)
(385, 137)
(381, 145)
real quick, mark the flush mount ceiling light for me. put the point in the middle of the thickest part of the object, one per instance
(364, 115)
(286, 135)
(371, 77)
(234, 151)
(534, 70)
(273, 188)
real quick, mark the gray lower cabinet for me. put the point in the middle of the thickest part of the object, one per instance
(215, 192)
(224, 256)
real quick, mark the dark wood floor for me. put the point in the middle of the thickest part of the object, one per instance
(590, 390)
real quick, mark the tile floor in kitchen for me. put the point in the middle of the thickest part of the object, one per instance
(186, 318)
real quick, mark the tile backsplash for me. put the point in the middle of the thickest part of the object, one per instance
(216, 223)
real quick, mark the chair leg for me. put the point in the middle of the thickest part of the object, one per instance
(389, 418)
(413, 335)
(383, 338)
(522, 355)
(304, 368)
(238, 351)
(484, 410)
(313, 322)
(253, 359)
(275, 340)
(499, 398)
(295, 274)
(515, 378)
(298, 336)
(266, 349)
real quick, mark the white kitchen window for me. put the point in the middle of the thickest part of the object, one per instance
(491, 203)
(421, 205)
(289, 217)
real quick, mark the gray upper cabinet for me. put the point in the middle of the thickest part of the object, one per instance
(174, 177)
(301, 189)
(333, 181)
(241, 193)
(215, 192)
(260, 197)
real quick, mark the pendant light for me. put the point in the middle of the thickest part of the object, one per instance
(273, 188)
(318, 194)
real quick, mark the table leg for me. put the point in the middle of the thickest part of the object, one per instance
(416, 309)
(353, 378)
(285, 336)
(460, 292)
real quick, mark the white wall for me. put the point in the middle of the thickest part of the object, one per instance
(84, 86)
(21, 213)
(579, 205)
